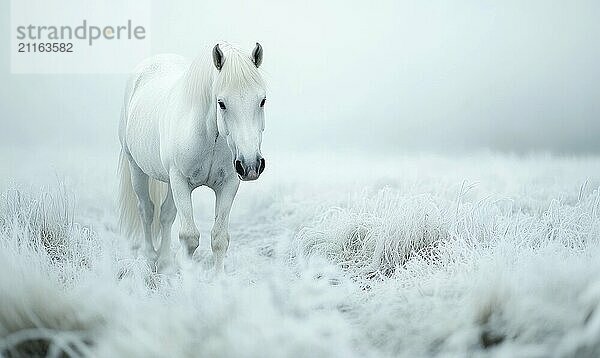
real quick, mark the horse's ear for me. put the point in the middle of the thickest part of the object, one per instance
(218, 57)
(257, 55)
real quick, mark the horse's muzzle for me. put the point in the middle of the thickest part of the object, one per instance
(249, 170)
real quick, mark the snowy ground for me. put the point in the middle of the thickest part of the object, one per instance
(331, 256)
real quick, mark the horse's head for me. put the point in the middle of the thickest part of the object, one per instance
(240, 101)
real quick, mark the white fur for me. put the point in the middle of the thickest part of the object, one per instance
(173, 132)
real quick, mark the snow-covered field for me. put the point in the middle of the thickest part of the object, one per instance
(331, 256)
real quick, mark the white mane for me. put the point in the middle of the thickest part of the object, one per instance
(238, 70)
(202, 78)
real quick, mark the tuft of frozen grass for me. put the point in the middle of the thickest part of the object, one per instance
(375, 234)
(419, 256)
(44, 222)
(42, 253)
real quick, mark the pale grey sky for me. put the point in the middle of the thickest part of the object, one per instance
(361, 76)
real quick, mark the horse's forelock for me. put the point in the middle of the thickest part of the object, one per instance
(238, 70)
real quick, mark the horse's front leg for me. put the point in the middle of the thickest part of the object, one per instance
(182, 196)
(220, 231)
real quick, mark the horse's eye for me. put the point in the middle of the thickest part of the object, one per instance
(262, 103)
(221, 105)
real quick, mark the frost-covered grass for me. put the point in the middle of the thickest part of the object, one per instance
(421, 255)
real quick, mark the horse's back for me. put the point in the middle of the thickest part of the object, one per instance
(156, 67)
(146, 100)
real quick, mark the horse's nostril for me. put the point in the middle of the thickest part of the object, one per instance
(239, 168)
(261, 166)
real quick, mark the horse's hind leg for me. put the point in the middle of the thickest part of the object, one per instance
(182, 196)
(139, 180)
(167, 216)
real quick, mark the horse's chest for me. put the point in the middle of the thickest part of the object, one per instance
(210, 165)
(199, 172)
(212, 175)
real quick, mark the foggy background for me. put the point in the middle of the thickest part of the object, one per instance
(383, 77)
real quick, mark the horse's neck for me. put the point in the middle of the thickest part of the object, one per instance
(197, 92)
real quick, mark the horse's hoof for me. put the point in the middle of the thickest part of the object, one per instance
(219, 271)
(167, 266)
(151, 256)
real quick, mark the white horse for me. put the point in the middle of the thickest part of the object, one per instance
(185, 124)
